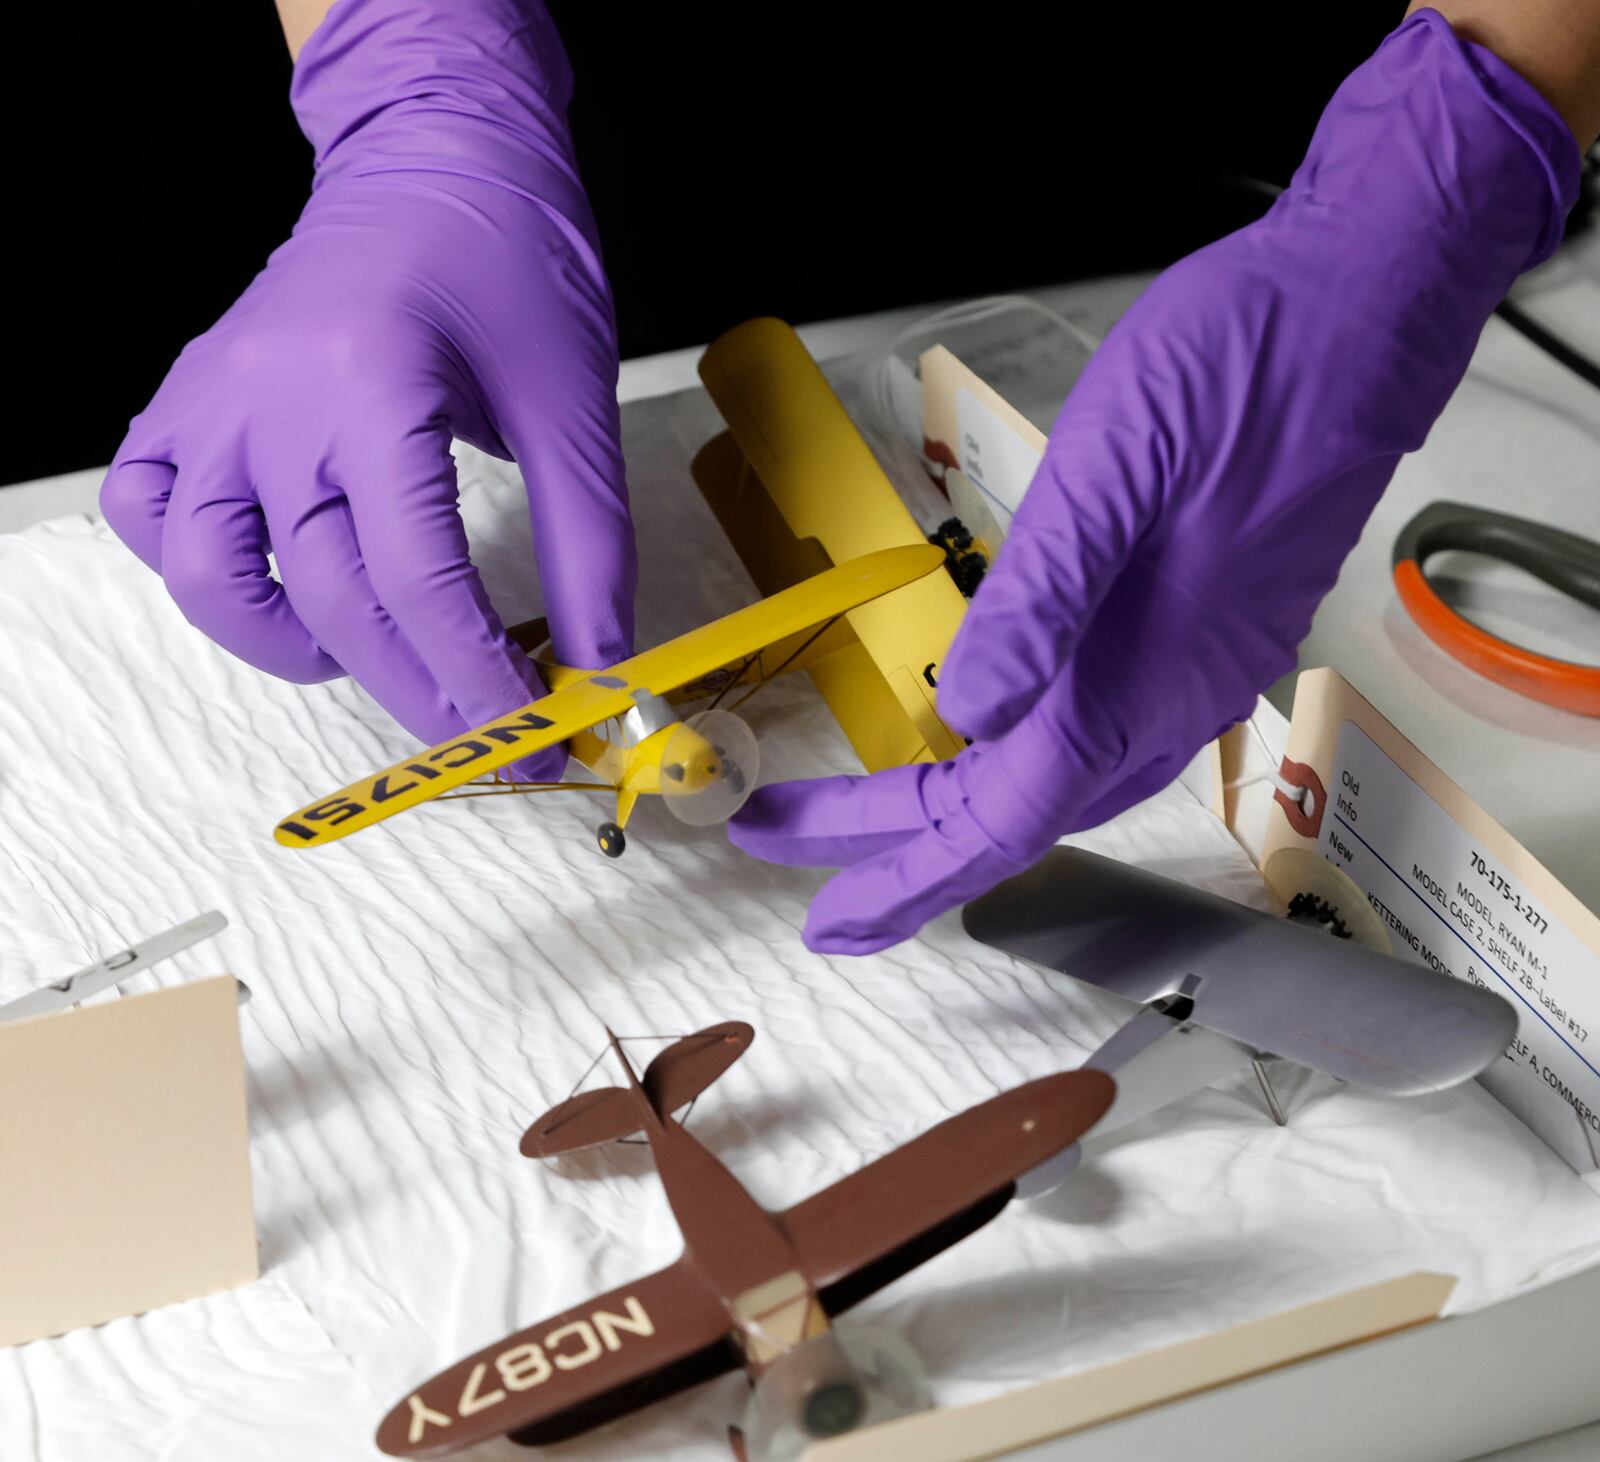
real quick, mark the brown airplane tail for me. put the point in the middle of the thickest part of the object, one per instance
(670, 1082)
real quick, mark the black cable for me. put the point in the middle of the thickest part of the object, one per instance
(1552, 345)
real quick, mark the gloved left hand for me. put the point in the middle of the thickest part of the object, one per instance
(444, 280)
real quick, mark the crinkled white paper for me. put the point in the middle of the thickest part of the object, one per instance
(424, 989)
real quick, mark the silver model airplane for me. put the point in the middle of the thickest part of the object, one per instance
(1221, 985)
(114, 968)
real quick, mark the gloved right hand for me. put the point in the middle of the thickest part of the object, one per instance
(1203, 484)
(444, 280)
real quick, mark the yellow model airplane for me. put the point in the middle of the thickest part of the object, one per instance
(796, 488)
(620, 724)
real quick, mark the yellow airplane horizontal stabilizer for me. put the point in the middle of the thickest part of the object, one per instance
(590, 697)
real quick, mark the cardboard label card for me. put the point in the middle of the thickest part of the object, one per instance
(1034, 1415)
(992, 445)
(124, 1150)
(1457, 892)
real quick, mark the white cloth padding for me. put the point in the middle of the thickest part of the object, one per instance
(424, 989)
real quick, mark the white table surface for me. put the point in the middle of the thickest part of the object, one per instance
(1563, 296)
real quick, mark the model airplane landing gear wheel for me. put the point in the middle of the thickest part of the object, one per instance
(829, 1385)
(611, 839)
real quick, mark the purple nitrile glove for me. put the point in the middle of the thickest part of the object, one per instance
(1206, 478)
(444, 280)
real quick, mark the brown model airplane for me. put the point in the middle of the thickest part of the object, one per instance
(752, 1288)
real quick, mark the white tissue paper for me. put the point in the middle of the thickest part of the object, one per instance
(424, 989)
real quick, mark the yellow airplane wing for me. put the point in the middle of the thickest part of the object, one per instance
(586, 698)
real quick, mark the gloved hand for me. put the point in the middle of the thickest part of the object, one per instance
(1208, 475)
(444, 279)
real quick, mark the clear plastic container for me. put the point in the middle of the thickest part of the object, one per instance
(1028, 353)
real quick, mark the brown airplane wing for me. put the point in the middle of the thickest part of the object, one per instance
(588, 1365)
(872, 1227)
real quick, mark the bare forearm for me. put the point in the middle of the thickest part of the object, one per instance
(300, 18)
(1555, 44)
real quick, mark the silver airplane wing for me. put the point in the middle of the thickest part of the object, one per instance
(1269, 984)
(114, 968)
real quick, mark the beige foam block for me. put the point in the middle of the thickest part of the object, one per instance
(1035, 1414)
(124, 1159)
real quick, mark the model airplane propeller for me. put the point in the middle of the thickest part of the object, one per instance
(619, 723)
(752, 1288)
(1221, 985)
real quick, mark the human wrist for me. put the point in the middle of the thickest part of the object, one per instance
(471, 87)
(1441, 155)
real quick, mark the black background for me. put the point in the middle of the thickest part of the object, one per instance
(807, 161)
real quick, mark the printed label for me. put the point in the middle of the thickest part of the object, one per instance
(993, 456)
(1449, 905)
